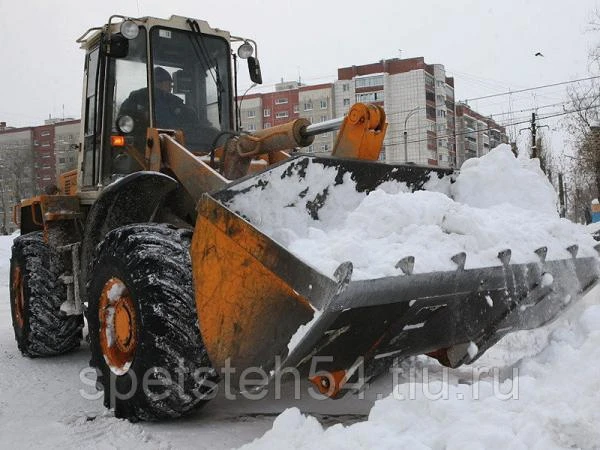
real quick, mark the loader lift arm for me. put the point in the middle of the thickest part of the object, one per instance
(361, 135)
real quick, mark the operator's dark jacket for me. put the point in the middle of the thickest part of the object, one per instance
(170, 110)
(171, 113)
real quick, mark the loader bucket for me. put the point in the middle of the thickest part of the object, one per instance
(253, 294)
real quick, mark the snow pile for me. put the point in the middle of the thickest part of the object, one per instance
(499, 178)
(498, 202)
(551, 403)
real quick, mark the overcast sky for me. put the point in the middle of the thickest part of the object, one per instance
(487, 46)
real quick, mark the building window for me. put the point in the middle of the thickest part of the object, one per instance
(251, 127)
(266, 112)
(324, 147)
(429, 82)
(251, 114)
(281, 101)
(377, 80)
(346, 102)
(441, 113)
(61, 160)
(323, 104)
(345, 87)
(308, 106)
(323, 118)
(267, 125)
(296, 109)
(282, 115)
(45, 144)
(370, 97)
(45, 133)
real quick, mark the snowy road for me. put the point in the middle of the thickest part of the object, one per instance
(41, 401)
(41, 404)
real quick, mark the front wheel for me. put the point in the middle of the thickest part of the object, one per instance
(144, 336)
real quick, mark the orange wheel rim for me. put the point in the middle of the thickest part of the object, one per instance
(19, 303)
(118, 326)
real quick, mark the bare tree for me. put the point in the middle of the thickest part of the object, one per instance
(584, 127)
(16, 180)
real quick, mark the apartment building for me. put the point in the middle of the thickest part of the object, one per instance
(66, 140)
(317, 105)
(418, 99)
(31, 159)
(476, 135)
(290, 100)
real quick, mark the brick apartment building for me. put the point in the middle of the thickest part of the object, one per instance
(419, 102)
(290, 100)
(418, 99)
(31, 159)
(476, 134)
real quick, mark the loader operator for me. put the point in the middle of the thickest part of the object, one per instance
(170, 112)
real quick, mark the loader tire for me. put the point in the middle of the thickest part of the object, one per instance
(36, 295)
(144, 335)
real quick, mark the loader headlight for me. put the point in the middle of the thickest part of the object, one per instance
(129, 29)
(245, 50)
(125, 124)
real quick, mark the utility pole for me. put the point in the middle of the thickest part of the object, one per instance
(533, 128)
(533, 141)
(562, 196)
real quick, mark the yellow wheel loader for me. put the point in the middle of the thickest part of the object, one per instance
(177, 286)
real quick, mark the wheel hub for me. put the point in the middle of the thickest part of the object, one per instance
(19, 301)
(118, 326)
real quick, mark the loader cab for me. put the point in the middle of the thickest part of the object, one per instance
(171, 74)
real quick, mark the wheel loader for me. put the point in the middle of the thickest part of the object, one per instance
(178, 287)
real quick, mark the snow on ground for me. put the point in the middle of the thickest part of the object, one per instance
(535, 389)
(593, 227)
(548, 401)
(498, 202)
(41, 401)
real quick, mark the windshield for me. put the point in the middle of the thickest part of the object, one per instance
(185, 86)
(191, 85)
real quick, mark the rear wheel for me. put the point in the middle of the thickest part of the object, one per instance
(144, 335)
(36, 295)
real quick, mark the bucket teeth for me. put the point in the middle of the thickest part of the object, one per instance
(407, 265)
(505, 256)
(343, 275)
(542, 252)
(573, 249)
(459, 259)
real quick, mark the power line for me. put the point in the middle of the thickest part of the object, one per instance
(446, 136)
(531, 89)
(535, 108)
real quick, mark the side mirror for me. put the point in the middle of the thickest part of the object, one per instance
(117, 46)
(254, 68)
